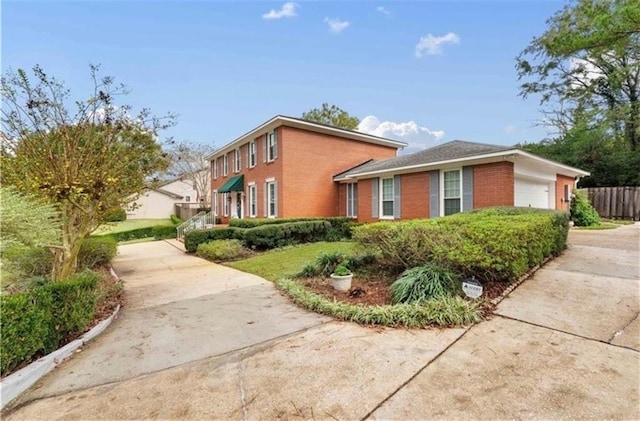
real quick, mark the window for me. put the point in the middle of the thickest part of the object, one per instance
(187, 199)
(215, 203)
(215, 168)
(352, 200)
(452, 192)
(238, 160)
(387, 197)
(252, 154)
(253, 201)
(226, 199)
(225, 165)
(272, 146)
(272, 199)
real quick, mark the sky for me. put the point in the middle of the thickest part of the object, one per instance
(423, 72)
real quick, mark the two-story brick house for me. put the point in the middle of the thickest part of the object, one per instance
(285, 168)
(289, 167)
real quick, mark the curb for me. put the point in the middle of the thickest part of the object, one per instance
(14, 384)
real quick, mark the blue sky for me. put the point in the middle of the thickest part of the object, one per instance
(424, 72)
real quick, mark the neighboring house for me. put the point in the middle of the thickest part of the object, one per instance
(160, 202)
(289, 167)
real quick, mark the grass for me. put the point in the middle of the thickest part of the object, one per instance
(443, 311)
(130, 224)
(284, 262)
(601, 226)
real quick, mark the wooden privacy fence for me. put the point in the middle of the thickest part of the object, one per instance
(615, 202)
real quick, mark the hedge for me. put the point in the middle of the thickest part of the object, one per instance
(159, 232)
(271, 236)
(193, 238)
(96, 251)
(497, 244)
(34, 323)
(340, 227)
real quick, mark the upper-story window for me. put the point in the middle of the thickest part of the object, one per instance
(215, 168)
(225, 165)
(238, 160)
(253, 152)
(272, 146)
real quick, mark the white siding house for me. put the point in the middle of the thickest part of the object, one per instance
(159, 203)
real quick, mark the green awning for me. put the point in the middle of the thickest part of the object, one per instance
(233, 184)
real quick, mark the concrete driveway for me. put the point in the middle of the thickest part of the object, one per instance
(562, 345)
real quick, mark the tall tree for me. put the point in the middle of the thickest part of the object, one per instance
(588, 60)
(332, 116)
(189, 162)
(86, 160)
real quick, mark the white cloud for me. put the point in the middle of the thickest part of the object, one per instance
(510, 129)
(418, 137)
(585, 72)
(336, 25)
(288, 10)
(383, 10)
(433, 45)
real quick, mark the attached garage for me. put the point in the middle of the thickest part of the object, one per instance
(534, 193)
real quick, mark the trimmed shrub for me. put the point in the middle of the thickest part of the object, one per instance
(26, 263)
(583, 214)
(33, 323)
(116, 216)
(422, 283)
(340, 227)
(193, 238)
(175, 220)
(74, 302)
(162, 232)
(145, 232)
(491, 244)
(26, 328)
(96, 251)
(272, 236)
(222, 250)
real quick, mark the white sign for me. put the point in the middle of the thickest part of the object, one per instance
(472, 288)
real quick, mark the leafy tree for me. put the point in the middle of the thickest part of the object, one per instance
(588, 60)
(86, 161)
(332, 116)
(189, 161)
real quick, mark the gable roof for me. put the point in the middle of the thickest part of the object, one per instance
(456, 151)
(312, 126)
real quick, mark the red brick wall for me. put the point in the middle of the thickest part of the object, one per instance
(310, 160)
(415, 195)
(493, 185)
(364, 201)
(304, 171)
(561, 181)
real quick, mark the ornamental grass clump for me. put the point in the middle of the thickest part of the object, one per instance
(423, 283)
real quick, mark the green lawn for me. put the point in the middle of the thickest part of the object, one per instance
(130, 224)
(288, 261)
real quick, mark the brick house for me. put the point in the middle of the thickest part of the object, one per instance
(289, 167)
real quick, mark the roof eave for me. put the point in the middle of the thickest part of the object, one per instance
(279, 120)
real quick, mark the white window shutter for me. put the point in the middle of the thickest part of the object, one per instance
(275, 193)
(275, 144)
(265, 140)
(266, 200)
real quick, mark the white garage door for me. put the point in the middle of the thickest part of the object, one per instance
(531, 193)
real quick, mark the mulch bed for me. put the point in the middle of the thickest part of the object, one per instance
(372, 291)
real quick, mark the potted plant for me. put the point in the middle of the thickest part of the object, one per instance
(341, 276)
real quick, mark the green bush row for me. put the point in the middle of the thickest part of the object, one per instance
(96, 251)
(159, 232)
(340, 227)
(498, 244)
(117, 216)
(266, 236)
(33, 323)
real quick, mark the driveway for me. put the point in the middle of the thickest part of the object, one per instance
(565, 344)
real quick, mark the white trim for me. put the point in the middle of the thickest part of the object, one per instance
(279, 120)
(269, 179)
(237, 160)
(215, 168)
(253, 199)
(253, 144)
(275, 199)
(214, 208)
(508, 155)
(441, 187)
(353, 187)
(225, 165)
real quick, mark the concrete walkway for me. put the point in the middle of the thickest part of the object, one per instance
(563, 345)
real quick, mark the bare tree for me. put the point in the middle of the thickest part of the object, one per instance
(189, 162)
